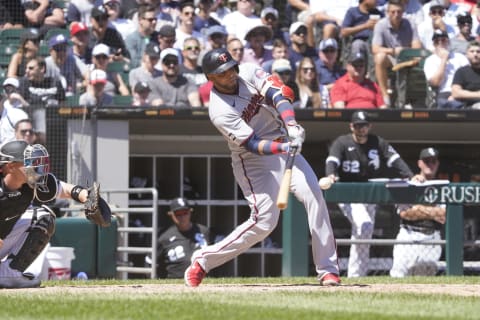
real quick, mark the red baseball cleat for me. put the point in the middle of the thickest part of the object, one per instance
(330, 279)
(194, 275)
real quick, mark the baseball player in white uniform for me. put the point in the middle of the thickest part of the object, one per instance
(252, 111)
(357, 157)
(420, 223)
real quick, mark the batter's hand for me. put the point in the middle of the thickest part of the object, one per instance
(296, 132)
(296, 143)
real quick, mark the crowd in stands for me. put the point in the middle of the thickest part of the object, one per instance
(341, 54)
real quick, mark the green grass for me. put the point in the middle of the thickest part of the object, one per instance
(252, 302)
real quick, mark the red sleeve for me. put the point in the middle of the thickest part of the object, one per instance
(338, 92)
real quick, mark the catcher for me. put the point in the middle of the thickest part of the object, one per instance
(26, 223)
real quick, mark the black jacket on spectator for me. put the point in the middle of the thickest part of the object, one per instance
(113, 39)
(40, 93)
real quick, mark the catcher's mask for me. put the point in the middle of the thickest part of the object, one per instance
(37, 165)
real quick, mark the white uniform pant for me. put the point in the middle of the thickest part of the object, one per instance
(415, 260)
(14, 241)
(362, 219)
(259, 178)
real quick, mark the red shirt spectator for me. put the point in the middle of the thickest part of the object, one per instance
(353, 90)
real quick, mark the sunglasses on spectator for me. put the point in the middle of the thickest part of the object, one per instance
(308, 69)
(430, 160)
(60, 48)
(237, 49)
(150, 19)
(195, 48)
(438, 11)
(284, 73)
(330, 50)
(25, 131)
(168, 40)
(301, 31)
(101, 56)
(168, 62)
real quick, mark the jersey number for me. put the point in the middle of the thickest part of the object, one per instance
(351, 166)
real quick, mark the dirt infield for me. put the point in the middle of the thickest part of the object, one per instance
(447, 289)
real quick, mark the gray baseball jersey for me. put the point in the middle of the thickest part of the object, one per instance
(238, 117)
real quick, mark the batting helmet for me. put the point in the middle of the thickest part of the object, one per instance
(12, 151)
(217, 61)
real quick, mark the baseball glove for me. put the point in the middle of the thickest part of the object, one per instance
(97, 209)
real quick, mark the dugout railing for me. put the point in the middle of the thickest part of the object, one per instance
(454, 195)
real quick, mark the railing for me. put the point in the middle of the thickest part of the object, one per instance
(124, 229)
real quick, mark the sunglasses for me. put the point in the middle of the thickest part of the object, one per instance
(60, 48)
(329, 50)
(430, 160)
(438, 11)
(168, 62)
(25, 131)
(101, 56)
(150, 19)
(284, 73)
(301, 31)
(237, 49)
(310, 69)
(193, 48)
(360, 125)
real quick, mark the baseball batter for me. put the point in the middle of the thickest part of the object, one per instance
(357, 157)
(251, 110)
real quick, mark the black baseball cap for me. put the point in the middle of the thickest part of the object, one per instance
(99, 12)
(464, 17)
(439, 34)
(152, 50)
(141, 86)
(428, 153)
(359, 117)
(179, 203)
(167, 31)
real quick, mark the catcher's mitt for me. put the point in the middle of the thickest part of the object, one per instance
(97, 209)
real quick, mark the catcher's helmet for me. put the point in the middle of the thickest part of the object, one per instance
(217, 61)
(12, 151)
(179, 204)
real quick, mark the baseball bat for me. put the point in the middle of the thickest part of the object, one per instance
(282, 198)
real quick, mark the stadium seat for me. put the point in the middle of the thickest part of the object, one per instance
(122, 101)
(11, 36)
(72, 101)
(6, 52)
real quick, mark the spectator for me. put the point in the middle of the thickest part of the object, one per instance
(216, 36)
(452, 10)
(269, 17)
(466, 81)
(189, 68)
(295, 9)
(236, 49)
(279, 51)
(419, 223)
(101, 58)
(44, 15)
(185, 29)
(354, 90)
(62, 65)
(219, 10)
(79, 35)
(390, 35)
(137, 41)
(122, 25)
(13, 99)
(330, 15)
(413, 11)
(426, 28)
(24, 131)
(141, 93)
(255, 51)
(459, 43)
(80, 10)
(357, 26)
(327, 66)
(203, 19)
(440, 68)
(177, 244)
(357, 157)
(101, 32)
(9, 111)
(166, 37)
(41, 92)
(311, 93)
(12, 14)
(148, 71)
(175, 90)
(299, 47)
(95, 96)
(283, 69)
(241, 20)
(28, 49)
